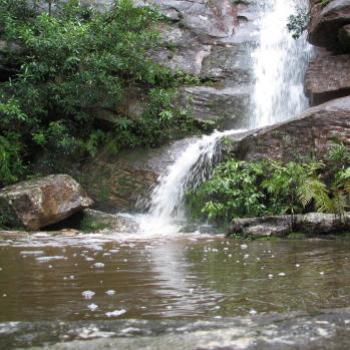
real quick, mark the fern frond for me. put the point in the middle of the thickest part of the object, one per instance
(314, 190)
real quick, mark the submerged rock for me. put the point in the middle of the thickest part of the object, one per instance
(41, 202)
(279, 226)
(328, 78)
(309, 134)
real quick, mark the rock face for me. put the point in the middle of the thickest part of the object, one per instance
(279, 226)
(328, 78)
(344, 37)
(310, 134)
(211, 40)
(38, 203)
(327, 21)
(220, 106)
(121, 182)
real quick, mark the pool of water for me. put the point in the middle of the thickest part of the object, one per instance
(192, 277)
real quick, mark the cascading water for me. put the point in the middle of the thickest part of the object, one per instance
(167, 213)
(279, 65)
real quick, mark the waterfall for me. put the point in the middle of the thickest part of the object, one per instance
(193, 166)
(279, 66)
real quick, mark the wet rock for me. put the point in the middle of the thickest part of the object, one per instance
(319, 223)
(279, 226)
(41, 202)
(219, 106)
(267, 226)
(326, 22)
(328, 78)
(101, 220)
(311, 133)
(118, 182)
(324, 330)
(230, 63)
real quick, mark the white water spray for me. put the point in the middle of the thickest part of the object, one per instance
(193, 166)
(279, 65)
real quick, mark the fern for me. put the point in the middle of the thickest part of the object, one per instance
(313, 190)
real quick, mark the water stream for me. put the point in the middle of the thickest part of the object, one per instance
(279, 66)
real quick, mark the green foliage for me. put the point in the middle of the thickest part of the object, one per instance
(246, 189)
(73, 61)
(233, 191)
(298, 22)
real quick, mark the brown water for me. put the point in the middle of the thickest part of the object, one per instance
(181, 278)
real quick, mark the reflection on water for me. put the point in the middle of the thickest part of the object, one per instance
(187, 278)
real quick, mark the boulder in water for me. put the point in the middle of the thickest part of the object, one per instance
(41, 202)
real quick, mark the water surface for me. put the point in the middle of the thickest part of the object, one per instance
(184, 277)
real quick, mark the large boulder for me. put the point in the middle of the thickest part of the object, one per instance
(326, 22)
(309, 134)
(41, 202)
(328, 78)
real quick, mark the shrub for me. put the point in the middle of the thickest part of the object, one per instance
(71, 61)
(298, 22)
(246, 189)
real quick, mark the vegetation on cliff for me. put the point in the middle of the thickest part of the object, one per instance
(249, 189)
(69, 62)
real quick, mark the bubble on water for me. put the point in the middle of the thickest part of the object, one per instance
(115, 313)
(88, 294)
(297, 265)
(281, 274)
(99, 265)
(321, 273)
(92, 307)
(110, 292)
(253, 312)
(31, 252)
(244, 246)
(49, 258)
(270, 275)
